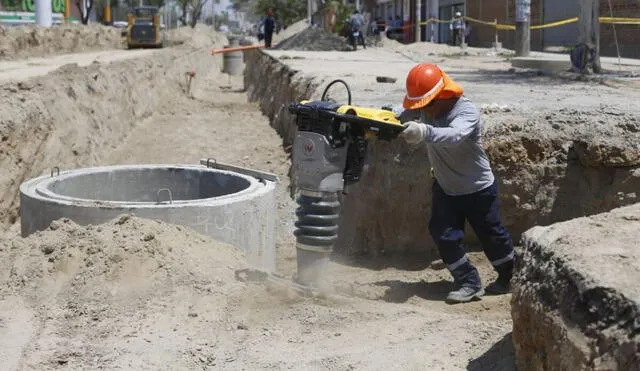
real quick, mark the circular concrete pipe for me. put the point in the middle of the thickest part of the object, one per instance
(230, 207)
(233, 62)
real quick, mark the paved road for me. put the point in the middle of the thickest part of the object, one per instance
(24, 69)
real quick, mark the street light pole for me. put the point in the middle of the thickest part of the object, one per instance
(523, 33)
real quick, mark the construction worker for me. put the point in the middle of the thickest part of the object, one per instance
(356, 22)
(269, 25)
(464, 188)
(457, 26)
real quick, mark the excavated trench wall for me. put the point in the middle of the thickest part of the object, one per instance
(545, 174)
(69, 118)
(576, 299)
(576, 302)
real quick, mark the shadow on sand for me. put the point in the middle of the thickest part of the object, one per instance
(400, 291)
(500, 357)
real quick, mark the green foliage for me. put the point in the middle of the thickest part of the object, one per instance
(135, 3)
(284, 11)
(158, 3)
(193, 8)
(220, 19)
(10, 4)
(341, 11)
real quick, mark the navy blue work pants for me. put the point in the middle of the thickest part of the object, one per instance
(482, 210)
(268, 36)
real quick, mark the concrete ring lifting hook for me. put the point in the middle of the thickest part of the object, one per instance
(209, 161)
(57, 169)
(168, 191)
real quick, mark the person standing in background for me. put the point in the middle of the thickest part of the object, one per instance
(269, 25)
(457, 27)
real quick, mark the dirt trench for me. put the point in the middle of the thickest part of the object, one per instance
(570, 308)
(140, 294)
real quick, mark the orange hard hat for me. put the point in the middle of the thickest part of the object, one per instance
(426, 82)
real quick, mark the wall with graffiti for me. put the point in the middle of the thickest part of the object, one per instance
(29, 5)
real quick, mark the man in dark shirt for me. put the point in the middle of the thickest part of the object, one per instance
(269, 25)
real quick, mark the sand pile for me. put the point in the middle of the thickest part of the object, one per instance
(33, 41)
(201, 36)
(107, 283)
(313, 39)
(291, 30)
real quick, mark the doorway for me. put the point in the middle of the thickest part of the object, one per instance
(446, 13)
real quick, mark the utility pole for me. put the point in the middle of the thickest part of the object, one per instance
(589, 28)
(67, 10)
(107, 11)
(523, 33)
(43, 13)
(418, 20)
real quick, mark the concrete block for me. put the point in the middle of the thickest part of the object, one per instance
(576, 298)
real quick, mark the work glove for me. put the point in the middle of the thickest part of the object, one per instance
(414, 132)
(397, 110)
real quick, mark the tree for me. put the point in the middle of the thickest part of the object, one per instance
(341, 12)
(158, 3)
(136, 3)
(193, 8)
(84, 11)
(10, 5)
(284, 11)
(196, 11)
(589, 28)
(239, 5)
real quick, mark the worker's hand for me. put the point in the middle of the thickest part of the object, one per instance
(414, 132)
(397, 110)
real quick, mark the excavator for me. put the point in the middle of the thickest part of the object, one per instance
(144, 28)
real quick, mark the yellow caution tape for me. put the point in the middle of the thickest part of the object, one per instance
(511, 27)
(555, 24)
(615, 20)
(481, 22)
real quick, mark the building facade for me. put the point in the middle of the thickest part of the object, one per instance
(503, 11)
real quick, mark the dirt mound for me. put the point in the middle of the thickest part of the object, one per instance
(107, 284)
(33, 41)
(201, 36)
(313, 39)
(291, 30)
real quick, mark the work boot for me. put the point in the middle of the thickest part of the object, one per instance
(502, 285)
(498, 287)
(464, 295)
(466, 276)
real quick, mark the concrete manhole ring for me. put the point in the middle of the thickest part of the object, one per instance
(231, 207)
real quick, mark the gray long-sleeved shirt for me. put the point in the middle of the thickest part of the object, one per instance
(454, 145)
